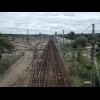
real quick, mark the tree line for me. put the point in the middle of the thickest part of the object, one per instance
(87, 36)
(82, 40)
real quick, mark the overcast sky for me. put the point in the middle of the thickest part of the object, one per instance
(48, 22)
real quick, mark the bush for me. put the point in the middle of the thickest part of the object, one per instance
(79, 55)
(4, 43)
(84, 62)
(74, 44)
(4, 65)
(0, 56)
(80, 41)
(98, 55)
(83, 66)
(82, 71)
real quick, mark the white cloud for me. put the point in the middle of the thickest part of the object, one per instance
(48, 22)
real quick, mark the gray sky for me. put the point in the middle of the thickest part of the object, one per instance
(48, 22)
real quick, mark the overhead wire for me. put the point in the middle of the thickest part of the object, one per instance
(86, 28)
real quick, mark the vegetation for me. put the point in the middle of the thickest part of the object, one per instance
(85, 62)
(81, 67)
(82, 64)
(98, 55)
(5, 44)
(71, 35)
(81, 41)
(0, 55)
(4, 65)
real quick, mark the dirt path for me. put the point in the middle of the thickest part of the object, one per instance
(16, 70)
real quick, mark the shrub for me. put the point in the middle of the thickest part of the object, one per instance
(4, 43)
(4, 65)
(0, 56)
(80, 42)
(98, 55)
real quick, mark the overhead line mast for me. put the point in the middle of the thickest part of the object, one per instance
(27, 37)
(94, 72)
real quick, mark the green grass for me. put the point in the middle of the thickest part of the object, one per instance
(83, 72)
(4, 65)
(79, 80)
(98, 65)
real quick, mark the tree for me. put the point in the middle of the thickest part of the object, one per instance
(4, 43)
(71, 35)
(80, 41)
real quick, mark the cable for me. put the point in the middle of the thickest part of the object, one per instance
(86, 29)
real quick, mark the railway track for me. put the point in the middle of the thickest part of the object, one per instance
(58, 70)
(41, 79)
(50, 70)
(49, 58)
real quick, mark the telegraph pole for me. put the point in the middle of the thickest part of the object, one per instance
(27, 37)
(94, 71)
(62, 45)
(24, 43)
(63, 36)
(15, 51)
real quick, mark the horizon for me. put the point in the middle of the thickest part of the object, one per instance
(48, 22)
